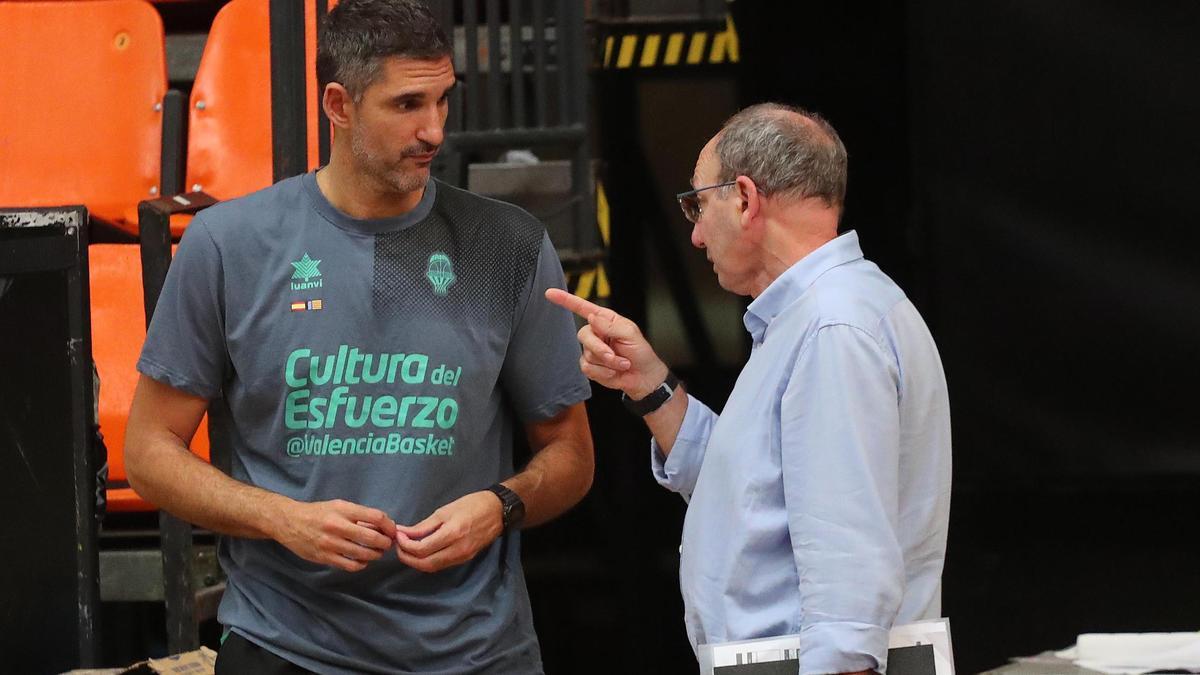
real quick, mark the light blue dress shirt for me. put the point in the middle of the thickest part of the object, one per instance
(818, 500)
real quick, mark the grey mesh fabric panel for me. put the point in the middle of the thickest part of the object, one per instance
(495, 253)
(378, 362)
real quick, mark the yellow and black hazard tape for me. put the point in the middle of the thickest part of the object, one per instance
(663, 46)
(592, 284)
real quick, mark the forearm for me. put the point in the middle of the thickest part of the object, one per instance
(665, 422)
(560, 472)
(556, 479)
(163, 471)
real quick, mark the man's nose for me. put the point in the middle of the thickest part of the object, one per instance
(433, 131)
(697, 237)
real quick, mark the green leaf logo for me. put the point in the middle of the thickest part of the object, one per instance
(306, 268)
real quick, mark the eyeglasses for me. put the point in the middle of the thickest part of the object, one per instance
(690, 203)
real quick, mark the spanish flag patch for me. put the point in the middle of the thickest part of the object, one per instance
(307, 305)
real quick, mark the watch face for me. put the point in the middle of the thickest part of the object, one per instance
(514, 514)
(512, 510)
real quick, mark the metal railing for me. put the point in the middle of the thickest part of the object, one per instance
(524, 85)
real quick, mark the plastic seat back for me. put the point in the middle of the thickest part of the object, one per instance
(229, 119)
(81, 105)
(118, 331)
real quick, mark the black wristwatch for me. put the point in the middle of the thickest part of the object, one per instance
(654, 400)
(513, 509)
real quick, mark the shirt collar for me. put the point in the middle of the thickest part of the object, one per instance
(790, 285)
(370, 225)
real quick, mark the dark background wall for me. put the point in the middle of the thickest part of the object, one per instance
(1054, 154)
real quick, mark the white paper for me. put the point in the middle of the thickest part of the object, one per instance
(784, 647)
(1135, 653)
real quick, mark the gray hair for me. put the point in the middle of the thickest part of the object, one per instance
(358, 34)
(786, 151)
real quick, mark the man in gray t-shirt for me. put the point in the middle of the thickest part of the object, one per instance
(364, 340)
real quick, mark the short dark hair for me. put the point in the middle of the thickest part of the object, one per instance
(358, 34)
(785, 150)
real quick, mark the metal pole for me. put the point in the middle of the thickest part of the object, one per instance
(289, 114)
(472, 95)
(175, 534)
(495, 77)
(540, 94)
(87, 550)
(516, 65)
(571, 48)
(562, 50)
(444, 11)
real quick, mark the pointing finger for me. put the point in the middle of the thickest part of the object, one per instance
(572, 302)
(608, 325)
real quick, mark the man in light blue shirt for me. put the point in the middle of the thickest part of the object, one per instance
(818, 499)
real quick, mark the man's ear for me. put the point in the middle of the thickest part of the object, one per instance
(338, 105)
(751, 200)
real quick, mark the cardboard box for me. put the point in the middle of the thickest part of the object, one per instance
(200, 662)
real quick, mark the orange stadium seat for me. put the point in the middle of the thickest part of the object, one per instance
(229, 120)
(81, 104)
(118, 331)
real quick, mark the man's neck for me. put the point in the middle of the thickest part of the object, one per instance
(788, 237)
(362, 197)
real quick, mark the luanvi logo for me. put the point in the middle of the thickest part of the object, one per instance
(306, 274)
(440, 273)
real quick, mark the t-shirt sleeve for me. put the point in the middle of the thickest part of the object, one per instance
(541, 373)
(185, 345)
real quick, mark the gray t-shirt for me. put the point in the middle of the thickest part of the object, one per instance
(384, 362)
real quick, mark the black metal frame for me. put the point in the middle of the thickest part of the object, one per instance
(289, 107)
(179, 595)
(79, 322)
(479, 119)
(66, 250)
(173, 170)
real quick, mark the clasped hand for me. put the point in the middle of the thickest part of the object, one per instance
(337, 533)
(347, 536)
(451, 535)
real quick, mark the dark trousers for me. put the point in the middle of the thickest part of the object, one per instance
(239, 656)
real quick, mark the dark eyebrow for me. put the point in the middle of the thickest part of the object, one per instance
(414, 96)
(417, 96)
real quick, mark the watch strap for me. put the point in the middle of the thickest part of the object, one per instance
(654, 400)
(512, 508)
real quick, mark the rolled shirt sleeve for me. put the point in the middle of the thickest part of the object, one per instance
(678, 471)
(840, 458)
